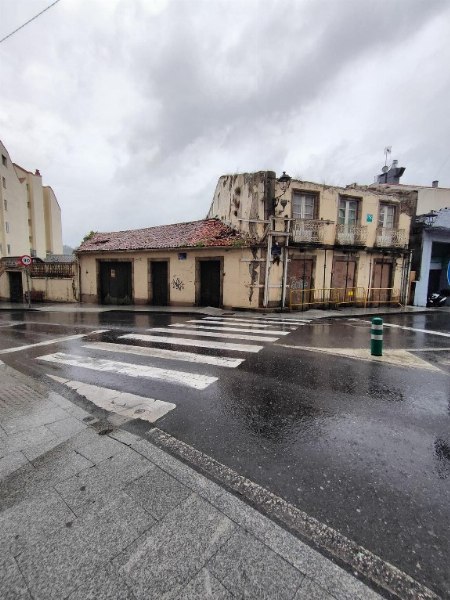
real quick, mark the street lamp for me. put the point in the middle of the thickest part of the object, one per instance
(284, 182)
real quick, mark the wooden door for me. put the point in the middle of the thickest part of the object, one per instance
(115, 283)
(160, 283)
(300, 280)
(343, 281)
(210, 283)
(15, 286)
(381, 282)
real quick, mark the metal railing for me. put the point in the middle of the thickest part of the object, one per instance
(382, 296)
(52, 270)
(302, 299)
(391, 238)
(351, 235)
(308, 230)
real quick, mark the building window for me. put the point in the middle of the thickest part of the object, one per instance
(30, 238)
(7, 226)
(5, 202)
(4, 160)
(348, 211)
(386, 217)
(4, 182)
(8, 246)
(303, 205)
(29, 222)
(28, 205)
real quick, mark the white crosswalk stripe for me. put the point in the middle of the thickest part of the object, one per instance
(257, 320)
(219, 361)
(224, 328)
(211, 321)
(161, 339)
(237, 336)
(122, 403)
(193, 380)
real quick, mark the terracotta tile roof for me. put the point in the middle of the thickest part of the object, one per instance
(205, 233)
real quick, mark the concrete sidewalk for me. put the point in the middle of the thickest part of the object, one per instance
(212, 311)
(89, 510)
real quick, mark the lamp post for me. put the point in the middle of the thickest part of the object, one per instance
(284, 182)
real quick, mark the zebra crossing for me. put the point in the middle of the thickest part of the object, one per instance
(184, 343)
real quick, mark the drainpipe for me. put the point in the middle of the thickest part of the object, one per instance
(79, 280)
(285, 265)
(268, 257)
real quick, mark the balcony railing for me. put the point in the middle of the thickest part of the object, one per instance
(351, 235)
(308, 230)
(391, 238)
(52, 270)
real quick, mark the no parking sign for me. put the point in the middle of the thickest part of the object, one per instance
(25, 260)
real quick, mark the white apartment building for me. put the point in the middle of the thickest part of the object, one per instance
(30, 216)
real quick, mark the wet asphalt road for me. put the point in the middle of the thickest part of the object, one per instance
(360, 446)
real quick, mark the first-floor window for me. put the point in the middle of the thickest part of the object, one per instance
(348, 211)
(386, 218)
(303, 205)
(7, 226)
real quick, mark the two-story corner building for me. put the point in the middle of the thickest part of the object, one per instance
(319, 244)
(30, 223)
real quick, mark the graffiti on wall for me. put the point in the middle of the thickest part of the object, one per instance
(177, 284)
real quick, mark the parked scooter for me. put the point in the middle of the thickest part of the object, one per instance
(438, 298)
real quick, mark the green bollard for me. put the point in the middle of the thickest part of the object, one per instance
(376, 337)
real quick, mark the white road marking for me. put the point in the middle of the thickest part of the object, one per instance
(395, 326)
(398, 358)
(223, 328)
(161, 339)
(237, 336)
(54, 341)
(213, 321)
(220, 361)
(193, 380)
(122, 403)
(258, 320)
(427, 349)
(13, 324)
(429, 331)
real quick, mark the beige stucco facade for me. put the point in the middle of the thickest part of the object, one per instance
(238, 268)
(375, 256)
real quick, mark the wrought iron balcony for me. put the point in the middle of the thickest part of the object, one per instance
(351, 235)
(308, 230)
(391, 238)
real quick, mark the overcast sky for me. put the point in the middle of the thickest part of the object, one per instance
(132, 109)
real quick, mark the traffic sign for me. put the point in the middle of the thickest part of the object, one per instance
(26, 260)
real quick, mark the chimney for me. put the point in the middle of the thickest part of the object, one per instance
(435, 183)
(37, 173)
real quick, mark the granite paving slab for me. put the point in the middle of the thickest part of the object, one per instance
(66, 427)
(249, 569)
(174, 550)
(12, 584)
(104, 585)
(29, 520)
(311, 591)
(110, 474)
(205, 586)
(70, 556)
(157, 492)
(11, 462)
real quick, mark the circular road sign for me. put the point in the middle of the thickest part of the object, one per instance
(26, 260)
